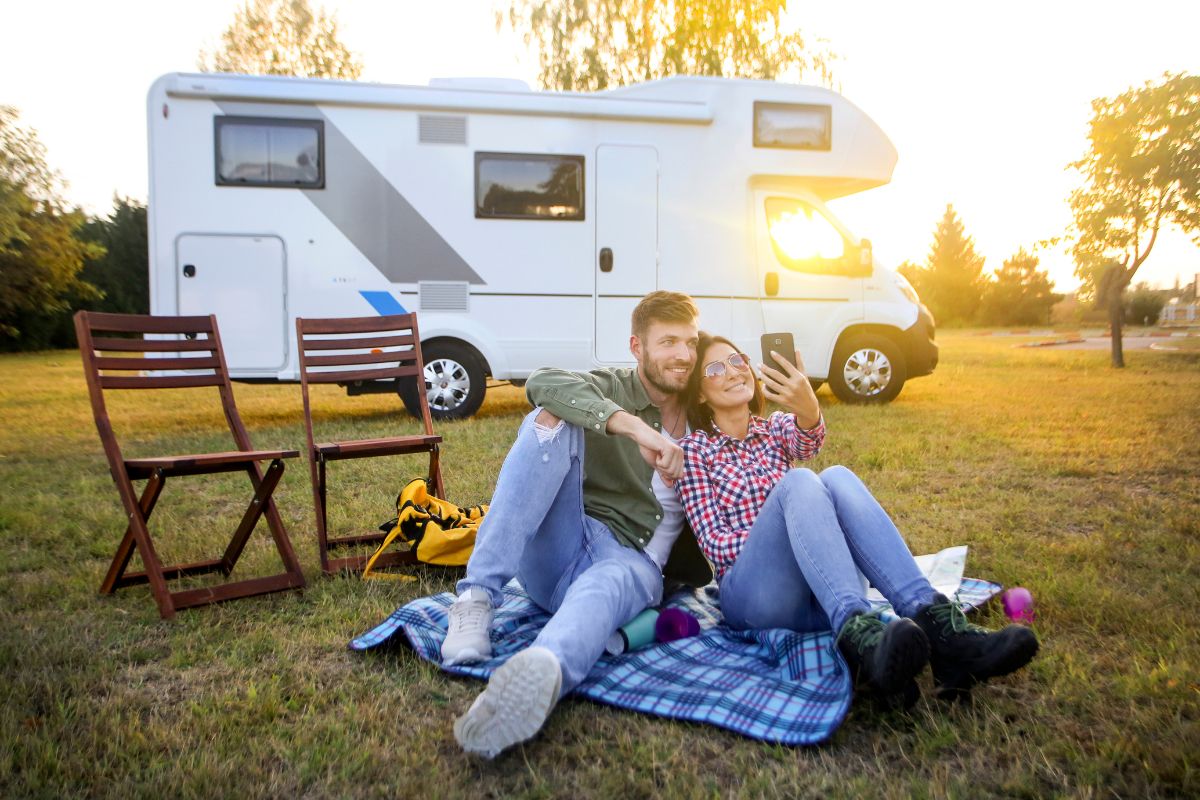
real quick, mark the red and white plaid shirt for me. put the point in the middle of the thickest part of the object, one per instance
(726, 481)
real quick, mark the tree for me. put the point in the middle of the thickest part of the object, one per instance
(40, 256)
(1142, 170)
(951, 284)
(588, 45)
(282, 37)
(122, 273)
(1020, 293)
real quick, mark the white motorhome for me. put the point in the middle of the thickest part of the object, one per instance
(523, 226)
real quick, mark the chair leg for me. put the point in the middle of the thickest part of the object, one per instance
(263, 488)
(120, 562)
(435, 473)
(319, 501)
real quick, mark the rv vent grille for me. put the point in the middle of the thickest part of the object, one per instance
(444, 295)
(442, 129)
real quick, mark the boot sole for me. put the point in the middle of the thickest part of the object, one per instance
(514, 706)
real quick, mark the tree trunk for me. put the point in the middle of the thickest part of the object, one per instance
(1116, 317)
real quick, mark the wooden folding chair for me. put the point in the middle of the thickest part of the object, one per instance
(362, 349)
(193, 344)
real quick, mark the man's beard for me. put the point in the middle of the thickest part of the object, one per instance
(660, 381)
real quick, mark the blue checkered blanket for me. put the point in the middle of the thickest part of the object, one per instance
(775, 685)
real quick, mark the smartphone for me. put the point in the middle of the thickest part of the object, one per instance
(781, 343)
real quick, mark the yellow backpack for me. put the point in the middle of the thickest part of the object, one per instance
(439, 531)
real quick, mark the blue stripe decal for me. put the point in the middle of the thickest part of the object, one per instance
(384, 303)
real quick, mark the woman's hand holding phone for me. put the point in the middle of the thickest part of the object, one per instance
(788, 386)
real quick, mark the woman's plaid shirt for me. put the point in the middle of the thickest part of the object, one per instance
(726, 481)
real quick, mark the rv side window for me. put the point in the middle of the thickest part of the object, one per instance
(527, 186)
(256, 151)
(803, 239)
(793, 126)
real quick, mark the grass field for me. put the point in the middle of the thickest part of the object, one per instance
(1063, 475)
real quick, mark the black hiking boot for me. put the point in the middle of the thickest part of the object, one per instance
(885, 657)
(963, 654)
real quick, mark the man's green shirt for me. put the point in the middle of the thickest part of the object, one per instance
(616, 479)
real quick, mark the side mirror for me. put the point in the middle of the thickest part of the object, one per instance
(865, 255)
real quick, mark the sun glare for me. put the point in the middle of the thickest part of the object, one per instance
(804, 235)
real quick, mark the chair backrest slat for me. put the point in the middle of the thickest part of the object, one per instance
(356, 344)
(358, 324)
(375, 357)
(113, 344)
(141, 323)
(347, 376)
(205, 362)
(164, 382)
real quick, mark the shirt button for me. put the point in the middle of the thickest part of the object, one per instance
(572, 402)
(658, 516)
(656, 424)
(596, 426)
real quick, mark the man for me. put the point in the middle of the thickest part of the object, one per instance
(585, 516)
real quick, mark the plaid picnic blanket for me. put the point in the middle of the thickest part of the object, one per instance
(774, 685)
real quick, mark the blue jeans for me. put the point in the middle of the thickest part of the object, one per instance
(800, 565)
(570, 564)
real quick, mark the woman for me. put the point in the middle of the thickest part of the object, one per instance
(788, 545)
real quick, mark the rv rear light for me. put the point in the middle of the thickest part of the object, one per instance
(376, 351)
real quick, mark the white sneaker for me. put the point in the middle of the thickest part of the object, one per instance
(514, 706)
(468, 639)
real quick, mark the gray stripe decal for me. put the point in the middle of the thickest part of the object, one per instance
(376, 218)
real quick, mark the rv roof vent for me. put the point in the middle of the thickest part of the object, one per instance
(442, 129)
(443, 295)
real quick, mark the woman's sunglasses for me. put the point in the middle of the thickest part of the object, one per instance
(716, 369)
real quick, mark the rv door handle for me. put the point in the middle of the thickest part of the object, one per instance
(189, 270)
(606, 259)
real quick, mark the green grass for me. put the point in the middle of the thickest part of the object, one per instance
(1062, 474)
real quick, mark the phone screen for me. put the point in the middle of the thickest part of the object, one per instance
(781, 343)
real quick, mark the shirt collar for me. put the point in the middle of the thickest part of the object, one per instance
(757, 427)
(641, 400)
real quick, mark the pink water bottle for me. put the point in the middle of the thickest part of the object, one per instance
(1018, 604)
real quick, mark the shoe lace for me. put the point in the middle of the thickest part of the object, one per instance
(950, 617)
(470, 615)
(862, 631)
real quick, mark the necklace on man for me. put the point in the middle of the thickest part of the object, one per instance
(671, 429)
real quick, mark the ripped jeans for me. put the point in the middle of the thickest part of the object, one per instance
(570, 564)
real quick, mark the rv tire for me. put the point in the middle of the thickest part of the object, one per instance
(454, 382)
(867, 368)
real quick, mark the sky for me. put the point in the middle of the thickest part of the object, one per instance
(986, 102)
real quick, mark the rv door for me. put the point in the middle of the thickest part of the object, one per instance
(810, 279)
(626, 257)
(241, 279)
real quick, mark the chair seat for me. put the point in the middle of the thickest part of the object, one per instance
(362, 448)
(195, 463)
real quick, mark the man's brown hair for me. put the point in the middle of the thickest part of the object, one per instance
(663, 306)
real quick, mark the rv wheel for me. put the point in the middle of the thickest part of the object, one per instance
(454, 382)
(867, 368)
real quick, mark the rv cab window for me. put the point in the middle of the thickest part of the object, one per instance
(802, 237)
(793, 126)
(528, 186)
(256, 151)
